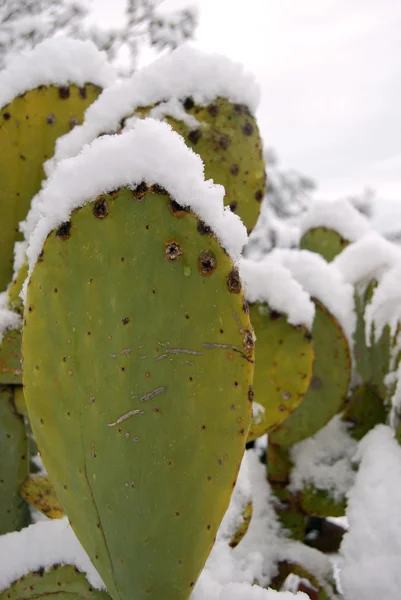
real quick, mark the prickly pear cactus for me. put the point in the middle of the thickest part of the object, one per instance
(29, 128)
(14, 464)
(283, 369)
(326, 242)
(329, 385)
(61, 581)
(227, 139)
(10, 357)
(139, 391)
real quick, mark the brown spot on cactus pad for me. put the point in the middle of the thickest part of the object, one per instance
(64, 231)
(172, 251)
(100, 208)
(207, 263)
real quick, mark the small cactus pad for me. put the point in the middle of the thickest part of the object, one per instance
(62, 582)
(227, 139)
(320, 503)
(10, 357)
(39, 491)
(326, 242)
(283, 367)
(364, 410)
(138, 364)
(243, 528)
(14, 464)
(329, 384)
(29, 128)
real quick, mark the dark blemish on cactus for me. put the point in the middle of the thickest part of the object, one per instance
(40, 259)
(140, 191)
(238, 109)
(194, 136)
(220, 461)
(213, 110)
(208, 527)
(179, 561)
(158, 189)
(122, 369)
(6, 116)
(68, 414)
(73, 122)
(189, 104)
(64, 358)
(177, 514)
(203, 229)
(245, 307)
(125, 320)
(153, 292)
(233, 206)
(40, 572)
(251, 394)
(259, 195)
(316, 383)
(147, 227)
(241, 432)
(100, 208)
(51, 119)
(281, 342)
(234, 169)
(22, 157)
(90, 280)
(176, 209)
(172, 251)
(209, 478)
(224, 141)
(190, 378)
(275, 315)
(281, 408)
(207, 263)
(203, 428)
(247, 128)
(42, 422)
(286, 395)
(236, 384)
(192, 584)
(234, 282)
(308, 336)
(82, 92)
(64, 92)
(93, 452)
(30, 308)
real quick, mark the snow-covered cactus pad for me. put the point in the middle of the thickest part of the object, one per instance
(281, 315)
(43, 94)
(207, 99)
(139, 390)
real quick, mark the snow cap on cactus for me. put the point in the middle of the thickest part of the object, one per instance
(186, 72)
(150, 153)
(271, 282)
(57, 61)
(339, 215)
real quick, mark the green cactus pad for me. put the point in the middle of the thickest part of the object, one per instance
(229, 143)
(39, 492)
(364, 410)
(61, 582)
(329, 385)
(14, 464)
(283, 367)
(320, 503)
(326, 242)
(10, 357)
(138, 364)
(372, 362)
(29, 128)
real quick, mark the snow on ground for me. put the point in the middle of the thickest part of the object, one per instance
(372, 548)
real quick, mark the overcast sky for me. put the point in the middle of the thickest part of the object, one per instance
(330, 74)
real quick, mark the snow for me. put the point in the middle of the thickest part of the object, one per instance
(43, 545)
(151, 152)
(8, 318)
(372, 547)
(385, 305)
(19, 256)
(271, 282)
(339, 215)
(367, 259)
(325, 461)
(322, 281)
(57, 61)
(172, 108)
(186, 72)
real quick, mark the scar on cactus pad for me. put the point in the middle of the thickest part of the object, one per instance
(180, 387)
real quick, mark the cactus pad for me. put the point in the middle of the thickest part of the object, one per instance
(64, 582)
(326, 242)
(14, 464)
(229, 143)
(329, 384)
(145, 365)
(29, 128)
(283, 368)
(10, 357)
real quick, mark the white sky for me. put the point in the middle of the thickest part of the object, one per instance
(330, 73)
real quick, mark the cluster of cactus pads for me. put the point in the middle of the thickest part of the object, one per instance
(142, 354)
